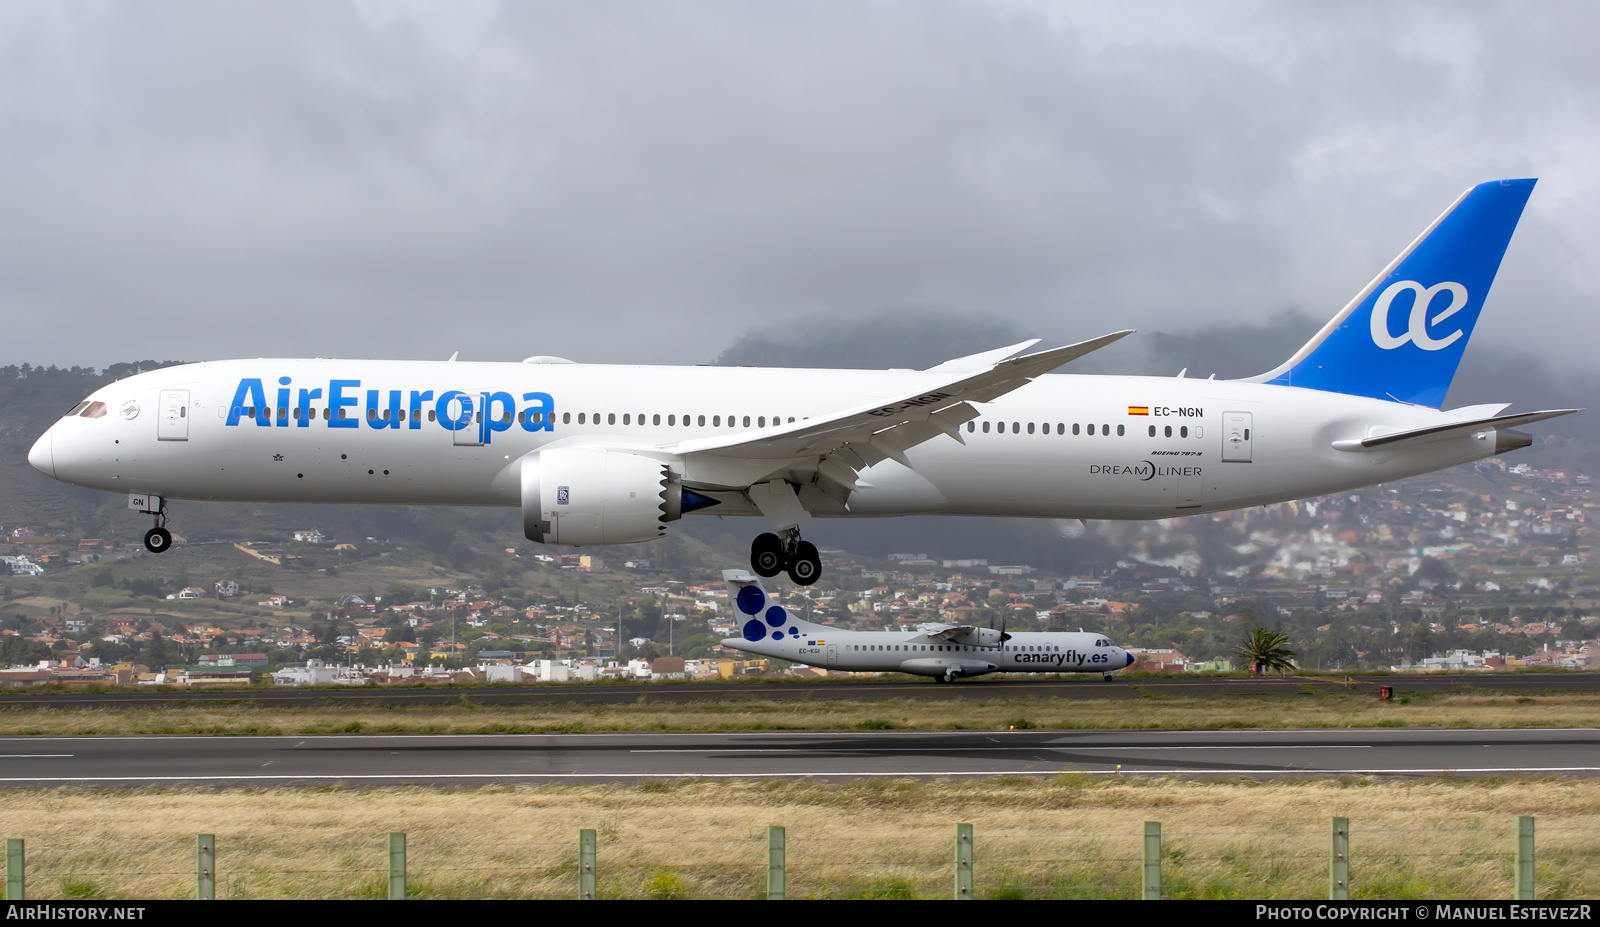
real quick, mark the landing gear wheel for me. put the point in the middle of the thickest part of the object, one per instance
(805, 566)
(766, 555)
(1108, 677)
(949, 676)
(157, 540)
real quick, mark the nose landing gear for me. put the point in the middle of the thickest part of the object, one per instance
(771, 554)
(158, 539)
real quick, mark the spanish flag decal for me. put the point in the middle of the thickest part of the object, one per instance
(1138, 410)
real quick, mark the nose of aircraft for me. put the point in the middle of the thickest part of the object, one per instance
(42, 456)
(1129, 657)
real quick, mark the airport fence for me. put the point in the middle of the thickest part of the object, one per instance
(1292, 862)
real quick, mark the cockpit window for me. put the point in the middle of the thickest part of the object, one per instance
(94, 410)
(76, 409)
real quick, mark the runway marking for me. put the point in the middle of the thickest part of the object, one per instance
(853, 774)
(954, 749)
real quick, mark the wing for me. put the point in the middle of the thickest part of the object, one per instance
(841, 444)
(971, 635)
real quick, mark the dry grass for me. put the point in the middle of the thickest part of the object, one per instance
(1074, 836)
(747, 713)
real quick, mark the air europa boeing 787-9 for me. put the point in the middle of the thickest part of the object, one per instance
(607, 454)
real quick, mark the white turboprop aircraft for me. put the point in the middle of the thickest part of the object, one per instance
(939, 650)
(599, 454)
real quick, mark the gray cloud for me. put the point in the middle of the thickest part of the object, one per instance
(651, 182)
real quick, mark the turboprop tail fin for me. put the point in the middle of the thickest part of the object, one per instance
(758, 615)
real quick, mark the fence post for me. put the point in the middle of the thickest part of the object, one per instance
(963, 862)
(1151, 882)
(14, 860)
(205, 860)
(776, 853)
(1524, 885)
(1339, 860)
(586, 880)
(397, 867)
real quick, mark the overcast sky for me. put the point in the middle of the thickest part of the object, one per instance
(649, 182)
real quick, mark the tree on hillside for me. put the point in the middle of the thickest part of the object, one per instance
(1265, 648)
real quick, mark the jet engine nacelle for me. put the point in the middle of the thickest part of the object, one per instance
(582, 496)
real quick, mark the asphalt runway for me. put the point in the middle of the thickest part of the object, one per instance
(625, 758)
(866, 689)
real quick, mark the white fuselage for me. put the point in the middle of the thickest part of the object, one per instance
(923, 654)
(1062, 446)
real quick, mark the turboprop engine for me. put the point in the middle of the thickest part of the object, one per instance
(979, 637)
(583, 496)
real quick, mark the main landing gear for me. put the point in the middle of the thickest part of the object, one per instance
(771, 555)
(158, 540)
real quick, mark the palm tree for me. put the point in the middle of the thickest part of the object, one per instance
(1266, 649)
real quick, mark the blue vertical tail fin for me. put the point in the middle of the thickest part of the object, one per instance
(758, 615)
(1403, 336)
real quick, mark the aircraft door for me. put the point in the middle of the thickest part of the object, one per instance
(1236, 437)
(833, 654)
(172, 418)
(463, 414)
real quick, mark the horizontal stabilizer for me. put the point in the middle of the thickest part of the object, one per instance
(1449, 431)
